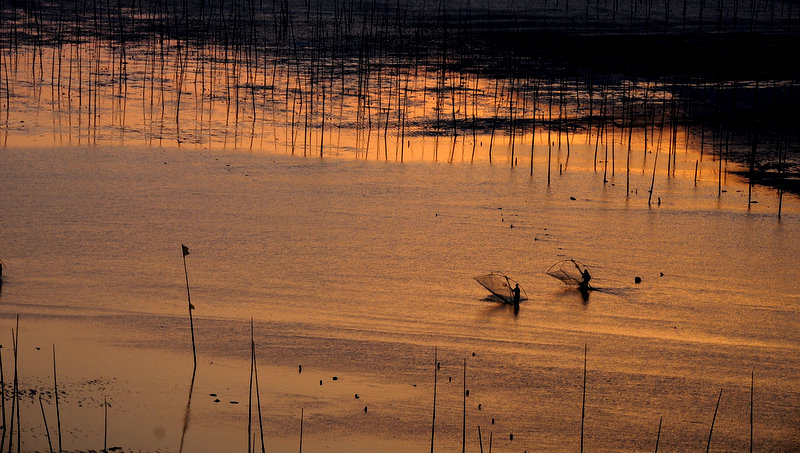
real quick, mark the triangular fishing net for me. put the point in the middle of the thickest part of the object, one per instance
(568, 271)
(500, 285)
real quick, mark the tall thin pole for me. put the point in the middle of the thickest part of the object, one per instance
(583, 402)
(191, 307)
(55, 391)
(464, 411)
(435, 378)
(301, 430)
(105, 425)
(708, 445)
(658, 437)
(752, 386)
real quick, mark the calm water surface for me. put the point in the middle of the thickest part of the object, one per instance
(359, 270)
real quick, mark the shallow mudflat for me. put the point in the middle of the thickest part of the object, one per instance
(358, 269)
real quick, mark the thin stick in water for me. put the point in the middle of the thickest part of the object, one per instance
(583, 402)
(708, 445)
(191, 307)
(435, 378)
(658, 437)
(46, 429)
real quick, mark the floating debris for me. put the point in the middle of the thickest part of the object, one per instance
(637, 280)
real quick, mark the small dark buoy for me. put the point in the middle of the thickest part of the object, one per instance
(438, 365)
(320, 382)
(479, 407)
(572, 198)
(473, 354)
(660, 274)
(299, 368)
(212, 394)
(216, 400)
(637, 280)
(512, 225)
(467, 392)
(511, 437)
(357, 397)
(38, 348)
(365, 409)
(449, 378)
(493, 420)
(234, 402)
(335, 378)
(659, 201)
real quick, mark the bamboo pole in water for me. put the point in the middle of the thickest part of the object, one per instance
(435, 379)
(301, 430)
(583, 401)
(658, 436)
(55, 392)
(46, 429)
(185, 251)
(105, 425)
(2, 403)
(752, 387)
(464, 411)
(710, 431)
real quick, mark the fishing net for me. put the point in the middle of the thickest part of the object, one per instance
(568, 271)
(500, 285)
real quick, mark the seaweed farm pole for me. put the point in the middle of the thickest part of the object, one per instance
(708, 445)
(55, 391)
(464, 411)
(191, 307)
(435, 378)
(658, 436)
(480, 438)
(301, 430)
(105, 425)
(250, 391)
(46, 429)
(752, 386)
(2, 403)
(583, 402)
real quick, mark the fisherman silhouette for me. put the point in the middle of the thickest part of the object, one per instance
(516, 294)
(583, 285)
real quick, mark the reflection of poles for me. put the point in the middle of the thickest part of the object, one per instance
(186, 414)
(191, 307)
